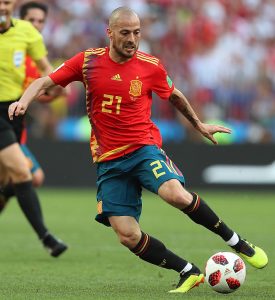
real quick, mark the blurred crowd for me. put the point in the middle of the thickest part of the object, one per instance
(220, 53)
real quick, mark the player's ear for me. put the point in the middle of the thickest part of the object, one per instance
(109, 32)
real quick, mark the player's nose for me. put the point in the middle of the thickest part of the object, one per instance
(131, 37)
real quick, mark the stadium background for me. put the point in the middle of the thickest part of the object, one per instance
(220, 53)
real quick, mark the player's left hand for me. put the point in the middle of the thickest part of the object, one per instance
(16, 108)
(208, 130)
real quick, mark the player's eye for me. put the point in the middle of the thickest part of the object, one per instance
(36, 20)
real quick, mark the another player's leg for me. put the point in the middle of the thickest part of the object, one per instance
(154, 251)
(4, 180)
(13, 160)
(7, 188)
(199, 212)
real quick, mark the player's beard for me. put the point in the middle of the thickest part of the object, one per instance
(123, 53)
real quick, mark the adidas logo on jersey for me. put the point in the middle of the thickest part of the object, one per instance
(116, 77)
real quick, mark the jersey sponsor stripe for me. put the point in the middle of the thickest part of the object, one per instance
(96, 51)
(148, 57)
(149, 61)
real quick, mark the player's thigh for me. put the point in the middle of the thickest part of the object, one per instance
(118, 195)
(14, 161)
(173, 192)
(154, 171)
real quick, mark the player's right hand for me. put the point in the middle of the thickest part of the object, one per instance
(16, 109)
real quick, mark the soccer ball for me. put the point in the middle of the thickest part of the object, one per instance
(225, 272)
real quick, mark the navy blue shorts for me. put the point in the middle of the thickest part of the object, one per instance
(120, 181)
(34, 164)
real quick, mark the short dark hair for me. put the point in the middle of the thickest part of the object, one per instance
(23, 11)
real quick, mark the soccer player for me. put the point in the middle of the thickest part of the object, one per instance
(125, 144)
(18, 38)
(36, 13)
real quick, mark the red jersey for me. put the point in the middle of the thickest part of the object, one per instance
(118, 99)
(31, 73)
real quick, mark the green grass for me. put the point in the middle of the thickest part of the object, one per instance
(97, 267)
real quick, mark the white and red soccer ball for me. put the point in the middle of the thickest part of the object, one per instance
(225, 272)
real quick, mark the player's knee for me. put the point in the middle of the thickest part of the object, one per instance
(20, 173)
(38, 178)
(179, 199)
(129, 239)
(174, 193)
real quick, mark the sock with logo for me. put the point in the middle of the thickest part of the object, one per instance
(154, 252)
(202, 214)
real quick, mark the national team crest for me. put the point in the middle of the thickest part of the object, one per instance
(135, 88)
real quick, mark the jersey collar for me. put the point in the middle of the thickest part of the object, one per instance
(11, 25)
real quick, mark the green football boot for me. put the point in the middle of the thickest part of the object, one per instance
(189, 280)
(252, 254)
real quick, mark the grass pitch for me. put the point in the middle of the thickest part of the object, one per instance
(97, 267)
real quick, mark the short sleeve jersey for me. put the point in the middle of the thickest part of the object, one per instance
(118, 99)
(20, 40)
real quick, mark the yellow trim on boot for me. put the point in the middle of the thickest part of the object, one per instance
(259, 260)
(191, 282)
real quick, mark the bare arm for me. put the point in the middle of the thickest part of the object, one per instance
(50, 94)
(44, 66)
(207, 130)
(37, 88)
(182, 105)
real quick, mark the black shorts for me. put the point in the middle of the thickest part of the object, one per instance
(17, 124)
(7, 135)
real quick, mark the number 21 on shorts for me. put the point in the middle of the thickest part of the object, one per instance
(160, 167)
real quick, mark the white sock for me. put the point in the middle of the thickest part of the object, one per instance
(187, 268)
(234, 240)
